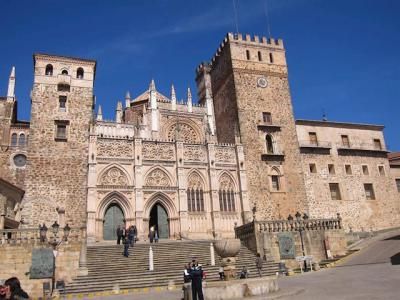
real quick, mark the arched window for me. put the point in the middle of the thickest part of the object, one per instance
(64, 72)
(276, 180)
(269, 144)
(21, 141)
(226, 194)
(195, 194)
(49, 70)
(79, 73)
(14, 139)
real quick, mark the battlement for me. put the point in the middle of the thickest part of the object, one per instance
(242, 40)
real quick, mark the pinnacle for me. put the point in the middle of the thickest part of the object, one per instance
(127, 95)
(152, 86)
(12, 72)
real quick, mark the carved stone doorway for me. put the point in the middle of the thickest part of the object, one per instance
(112, 218)
(159, 219)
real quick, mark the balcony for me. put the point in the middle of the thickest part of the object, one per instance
(276, 156)
(319, 144)
(360, 147)
(268, 126)
(64, 79)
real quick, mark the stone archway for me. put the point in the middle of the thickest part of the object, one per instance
(113, 217)
(159, 219)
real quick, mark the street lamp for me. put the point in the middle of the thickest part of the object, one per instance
(55, 228)
(301, 229)
(67, 230)
(254, 210)
(42, 232)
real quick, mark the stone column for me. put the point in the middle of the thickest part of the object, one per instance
(83, 270)
(91, 201)
(139, 201)
(181, 181)
(213, 187)
(244, 200)
(3, 211)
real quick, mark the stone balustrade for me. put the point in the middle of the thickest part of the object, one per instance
(32, 236)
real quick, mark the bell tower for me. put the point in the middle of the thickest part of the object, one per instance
(62, 109)
(249, 79)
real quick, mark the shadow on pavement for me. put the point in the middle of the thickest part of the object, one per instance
(395, 259)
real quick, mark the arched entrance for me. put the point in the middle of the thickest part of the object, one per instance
(112, 218)
(159, 219)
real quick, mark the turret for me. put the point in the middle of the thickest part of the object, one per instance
(189, 101)
(118, 113)
(210, 112)
(11, 85)
(99, 114)
(173, 98)
(127, 99)
(153, 106)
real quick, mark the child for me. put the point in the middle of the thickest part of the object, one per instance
(244, 273)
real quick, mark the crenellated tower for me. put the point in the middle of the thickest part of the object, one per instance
(62, 110)
(251, 96)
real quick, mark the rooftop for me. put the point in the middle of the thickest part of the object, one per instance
(340, 124)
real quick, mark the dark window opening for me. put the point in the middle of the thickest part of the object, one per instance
(269, 144)
(369, 191)
(335, 191)
(275, 183)
(259, 56)
(331, 169)
(271, 58)
(63, 87)
(64, 72)
(62, 102)
(248, 54)
(79, 73)
(14, 139)
(313, 168)
(267, 117)
(49, 70)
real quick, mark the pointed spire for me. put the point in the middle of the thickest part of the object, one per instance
(118, 113)
(152, 86)
(119, 105)
(127, 99)
(173, 98)
(99, 114)
(127, 95)
(189, 100)
(11, 85)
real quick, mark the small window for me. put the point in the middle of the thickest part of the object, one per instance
(64, 72)
(365, 170)
(377, 144)
(259, 56)
(381, 170)
(347, 169)
(331, 169)
(61, 130)
(369, 191)
(79, 73)
(14, 139)
(62, 102)
(313, 138)
(345, 141)
(19, 160)
(275, 183)
(21, 140)
(63, 87)
(49, 70)
(267, 117)
(398, 184)
(271, 58)
(335, 191)
(269, 144)
(248, 54)
(313, 168)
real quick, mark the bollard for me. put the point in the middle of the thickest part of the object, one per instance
(212, 254)
(151, 262)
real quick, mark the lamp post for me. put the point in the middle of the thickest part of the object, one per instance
(42, 233)
(301, 229)
(67, 230)
(254, 210)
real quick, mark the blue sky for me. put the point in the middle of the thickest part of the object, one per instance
(343, 55)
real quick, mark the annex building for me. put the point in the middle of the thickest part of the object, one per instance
(194, 169)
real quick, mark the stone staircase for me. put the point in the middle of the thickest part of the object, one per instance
(108, 268)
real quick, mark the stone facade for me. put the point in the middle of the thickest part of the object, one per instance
(203, 165)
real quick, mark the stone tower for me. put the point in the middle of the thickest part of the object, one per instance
(62, 109)
(252, 103)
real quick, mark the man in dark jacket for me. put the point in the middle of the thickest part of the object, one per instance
(196, 273)
(126, 247)
(120, 234)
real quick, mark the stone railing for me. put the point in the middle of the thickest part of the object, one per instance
(33, 236)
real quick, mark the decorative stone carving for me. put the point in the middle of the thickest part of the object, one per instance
(158, 178)
(225, 155)
(114, 148)
(195, 181)
(183, 132)
(226, 183)
(194, 153)
(158, 151)
(114, 176)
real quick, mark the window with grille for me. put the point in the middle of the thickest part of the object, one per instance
(195, 199)
(275, 183)
(227, 200)
(267, 117)
(335, 191)
(61, 130)
(369, 191)
(14, 139)
(62, 100)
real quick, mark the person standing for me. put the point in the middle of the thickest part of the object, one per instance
(259, 264)
(221, 273)
(196, 274)
(14, 290)
(131, 236)
(151, 234)
(120, 234)
(155, 236)
(134, 233)
(126, 247)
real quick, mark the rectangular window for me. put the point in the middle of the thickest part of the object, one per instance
(345, 141)
(377, 144)
(62, 100)
(335, 191)
(313, 168)
(275, 183)
(267, 117)
(365, 170)
(313, 138)
(347, 169)
(331, 169)
(369, 191)
(61, 130)
(381, 170)
(398, 184)
(248, 54)
(259, 56)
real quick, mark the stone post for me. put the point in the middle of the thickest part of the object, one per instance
(61, 216)
(151, 261)
(83, 270)
(2, 211)
(212, 254)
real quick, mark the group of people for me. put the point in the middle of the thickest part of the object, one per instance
(11, 289)
(193, 272)
(127, 236)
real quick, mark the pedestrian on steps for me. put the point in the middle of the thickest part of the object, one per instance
(120, 234)
(126, 247)
(259, 264)
(151, 234)
(196, 274)
(156, 236)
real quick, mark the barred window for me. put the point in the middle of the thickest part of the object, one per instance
(227, 200)
(14, 139)
(195, 199)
